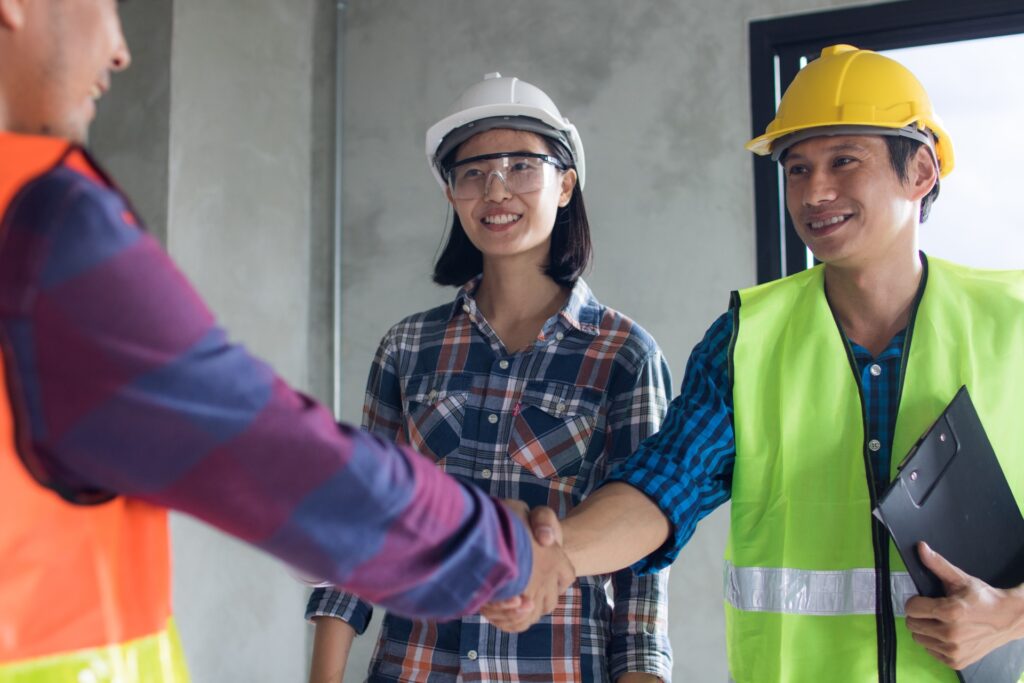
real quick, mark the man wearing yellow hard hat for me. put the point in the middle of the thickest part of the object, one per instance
(801, 399)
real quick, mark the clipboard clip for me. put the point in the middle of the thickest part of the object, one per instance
(924, 464)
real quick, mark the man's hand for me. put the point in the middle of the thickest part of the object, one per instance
(552, 574)
(972, 620)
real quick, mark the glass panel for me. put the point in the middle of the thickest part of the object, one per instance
(978, 92)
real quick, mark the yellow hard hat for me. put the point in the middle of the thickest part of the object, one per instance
(853, 91)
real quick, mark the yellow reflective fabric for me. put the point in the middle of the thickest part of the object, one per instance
(800, 497)
(152, 659)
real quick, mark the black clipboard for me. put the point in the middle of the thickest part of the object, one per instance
(951, 493)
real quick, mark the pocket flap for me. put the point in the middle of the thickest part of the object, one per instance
(562, 400)
(432, 389)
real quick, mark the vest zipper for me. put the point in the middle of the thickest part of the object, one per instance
(885, 620)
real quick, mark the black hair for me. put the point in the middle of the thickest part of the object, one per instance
(460, 261)
(901, 151)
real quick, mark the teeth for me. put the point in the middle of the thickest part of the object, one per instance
(502, 219)
(817, 225)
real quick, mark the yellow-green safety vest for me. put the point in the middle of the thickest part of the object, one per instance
(814, 589)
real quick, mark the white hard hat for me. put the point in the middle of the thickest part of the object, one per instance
(498, 102)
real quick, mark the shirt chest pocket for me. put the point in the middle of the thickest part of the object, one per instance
(435, 407)
(552, 430)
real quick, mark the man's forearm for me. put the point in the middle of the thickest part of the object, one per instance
(612, 529)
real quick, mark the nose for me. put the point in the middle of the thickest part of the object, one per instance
(122, 57)
(818, 189)
(496, 192)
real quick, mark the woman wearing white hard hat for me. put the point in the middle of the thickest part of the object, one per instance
(524, 385)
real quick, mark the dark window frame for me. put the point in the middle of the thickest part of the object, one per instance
(776, 48)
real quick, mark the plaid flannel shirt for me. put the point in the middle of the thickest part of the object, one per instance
(544, 426)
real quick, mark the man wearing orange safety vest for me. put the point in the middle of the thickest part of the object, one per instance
(120, 397)
(801, 400)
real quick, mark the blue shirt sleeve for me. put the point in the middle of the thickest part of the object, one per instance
(686, 467)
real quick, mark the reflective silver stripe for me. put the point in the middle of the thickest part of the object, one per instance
(798, 591)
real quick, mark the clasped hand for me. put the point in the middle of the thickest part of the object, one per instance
(552, 573)
(972, 620)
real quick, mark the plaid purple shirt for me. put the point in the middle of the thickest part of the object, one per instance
(122, 383)
(545, 426)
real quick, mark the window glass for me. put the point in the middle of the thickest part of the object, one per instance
(977, 90)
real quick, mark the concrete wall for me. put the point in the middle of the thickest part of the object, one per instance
(241, 224)
(223, 134)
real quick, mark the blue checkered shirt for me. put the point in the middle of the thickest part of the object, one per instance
(545, 426)
(686, 468)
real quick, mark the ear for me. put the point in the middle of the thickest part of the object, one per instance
(447, 190)
(568, 185)
(923, 173)
(12, 14)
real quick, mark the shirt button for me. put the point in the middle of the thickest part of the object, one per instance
(503, 364)
(486, 474)
(432, 396)
(561, 407)
(492, 418)
(876, 370)
(465, 307)
(559, 336)
(471, 654)
(874, 445)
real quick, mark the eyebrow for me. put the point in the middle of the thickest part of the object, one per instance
(841, 147)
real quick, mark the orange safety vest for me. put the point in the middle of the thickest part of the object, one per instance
(84, 589)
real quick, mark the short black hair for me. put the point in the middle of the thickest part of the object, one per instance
(571, 248)
(901, 151)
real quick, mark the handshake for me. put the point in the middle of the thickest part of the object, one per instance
(552, 573)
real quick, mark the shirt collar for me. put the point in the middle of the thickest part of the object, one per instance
(581, 312)
(892, 350)
(464, 301)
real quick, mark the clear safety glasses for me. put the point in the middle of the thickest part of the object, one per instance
(519, 172)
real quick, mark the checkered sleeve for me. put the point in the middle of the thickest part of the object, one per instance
(329, 602)
(686, 468)
(382, 415)
(640, 641)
